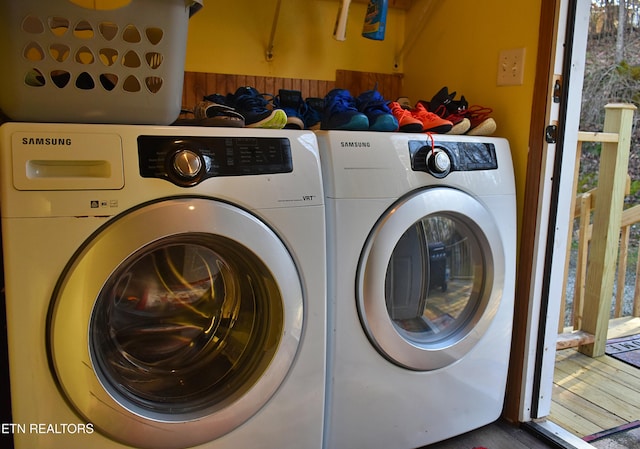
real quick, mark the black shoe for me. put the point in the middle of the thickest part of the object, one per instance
(290, 101)
(256, 109)
(313, 112)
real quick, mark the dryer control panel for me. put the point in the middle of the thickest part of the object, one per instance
(441, 158)
(187, 161)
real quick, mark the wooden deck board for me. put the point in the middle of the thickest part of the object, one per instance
(593, 394)
(599, 382)
(571, 421)
(572, 405)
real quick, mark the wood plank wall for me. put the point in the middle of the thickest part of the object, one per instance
(199, 84)
(389, 85)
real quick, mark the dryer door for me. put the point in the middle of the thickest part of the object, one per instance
(175, 323)
(430, 278)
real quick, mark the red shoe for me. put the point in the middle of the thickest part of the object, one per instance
(479, 116)
(461, 124)
(440, 105)
(408, 123)
(431, 122)
(481, 123)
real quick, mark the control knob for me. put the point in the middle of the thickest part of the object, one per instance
(187, 164)
(438, 163)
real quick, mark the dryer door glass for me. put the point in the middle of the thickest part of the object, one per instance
(186, 322)
(431, 278)
(435, 280)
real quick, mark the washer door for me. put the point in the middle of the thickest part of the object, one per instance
(175, 323)
(430, 278)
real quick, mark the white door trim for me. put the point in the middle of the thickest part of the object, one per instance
(554, 215)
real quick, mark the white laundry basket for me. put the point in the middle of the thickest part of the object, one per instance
(93, 61)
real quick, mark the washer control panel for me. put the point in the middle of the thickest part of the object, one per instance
(441, 158)
(187, 161)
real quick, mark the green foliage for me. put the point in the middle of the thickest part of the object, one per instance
(635, 187)
(587, 181)
(592, 148)
(629, 71)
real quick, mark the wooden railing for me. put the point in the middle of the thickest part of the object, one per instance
(603, 235)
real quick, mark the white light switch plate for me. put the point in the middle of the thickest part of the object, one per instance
(511, 67)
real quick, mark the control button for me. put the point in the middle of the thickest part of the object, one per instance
(187, 164)
(439, 163)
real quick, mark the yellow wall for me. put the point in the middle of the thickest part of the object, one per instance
(456, 46)
(231, 37)
(459, 47)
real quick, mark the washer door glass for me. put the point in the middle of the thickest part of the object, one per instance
(431, 278)
(175, 322)
(185, 322)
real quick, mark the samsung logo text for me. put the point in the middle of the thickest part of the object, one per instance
(47, 141)
(355, 144)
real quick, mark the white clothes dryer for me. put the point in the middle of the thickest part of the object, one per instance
(421, 239)
(165, 286)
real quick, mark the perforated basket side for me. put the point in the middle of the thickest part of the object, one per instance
(64, 63)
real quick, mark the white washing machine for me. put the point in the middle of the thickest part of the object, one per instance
(421, 264)
(165, 286)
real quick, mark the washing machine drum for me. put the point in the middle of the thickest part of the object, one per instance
(175, 323)
(430, 279)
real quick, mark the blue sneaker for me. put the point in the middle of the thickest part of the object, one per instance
(290, 101)
(340, 112)
(256, 109)
(375, 108)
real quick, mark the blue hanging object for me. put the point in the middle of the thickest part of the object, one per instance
(375, 20)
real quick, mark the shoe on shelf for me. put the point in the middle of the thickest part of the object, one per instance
(209, 113)
(481, 123)
(374, 106)
(431, 122)
(340, 112)
(216, 98)
(442, 97)
(439, 105)
(404, 102)
(406, 121)
(461, 124)
(258, 112)
(290, 101)
(313, 112)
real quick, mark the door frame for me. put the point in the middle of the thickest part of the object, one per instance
(550, 172)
